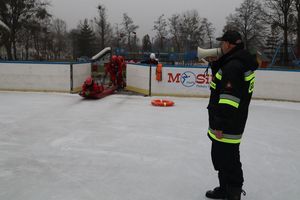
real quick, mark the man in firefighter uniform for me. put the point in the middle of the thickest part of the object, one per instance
(231, 91)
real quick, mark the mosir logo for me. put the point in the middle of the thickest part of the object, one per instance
(190, 79)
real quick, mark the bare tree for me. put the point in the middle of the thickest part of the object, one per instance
(248, 20)
(59, 31)
(174, 29)
(27, 38)
(4, 33)
(35, 38)
(74, 42)
(191, 30)
(209, 30)
(129, 28)
(103, 27)
(297, 8)
(118, 39)
(278, 14)
(160, 26)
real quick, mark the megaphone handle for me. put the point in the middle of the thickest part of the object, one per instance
(206, 71)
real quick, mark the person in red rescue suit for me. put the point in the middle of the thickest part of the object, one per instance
(120, 73)
(91, 88)
(112, 69)
(115, 70)
(231, 91)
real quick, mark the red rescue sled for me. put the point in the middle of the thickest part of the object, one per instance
(107, 91)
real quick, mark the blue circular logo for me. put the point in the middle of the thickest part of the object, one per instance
(188, 79)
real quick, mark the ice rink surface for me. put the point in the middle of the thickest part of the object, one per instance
(61, 147)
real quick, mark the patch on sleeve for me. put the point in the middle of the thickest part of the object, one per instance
(228, 85)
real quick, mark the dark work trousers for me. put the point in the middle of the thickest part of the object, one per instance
(226, 160)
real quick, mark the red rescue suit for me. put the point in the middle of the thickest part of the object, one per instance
(91, 88)
(112, 69)
(121, 70)
(115, 69)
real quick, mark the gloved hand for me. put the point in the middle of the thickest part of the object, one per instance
(219, 134)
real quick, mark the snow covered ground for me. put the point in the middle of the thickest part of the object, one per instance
(61, 147)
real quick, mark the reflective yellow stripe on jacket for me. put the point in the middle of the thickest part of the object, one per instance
(213, 85)
(219, 74)
(226, 138)
(249, 75)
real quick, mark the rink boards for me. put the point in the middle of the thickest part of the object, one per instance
(176, 80)
(192, 81)
(43, 76)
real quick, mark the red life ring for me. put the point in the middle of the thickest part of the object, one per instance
(162, 102)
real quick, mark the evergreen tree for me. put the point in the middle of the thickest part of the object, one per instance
(147, 43)
(86, 40)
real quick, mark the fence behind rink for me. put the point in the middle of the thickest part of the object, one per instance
(43, 76)
(191, 81)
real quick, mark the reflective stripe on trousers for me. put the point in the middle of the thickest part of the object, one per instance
(230, 100)
(226, 138)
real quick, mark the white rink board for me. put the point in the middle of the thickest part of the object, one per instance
(80, 73)
(191, 81)
(181, 82)
(39, 76)
(176, 81)
(279, 85)
(137, 78)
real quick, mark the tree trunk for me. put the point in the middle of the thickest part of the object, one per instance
(26, 50)
(177, 44)
(161, 44)
(298, 33)
(298, 40)
(285, 42)
(102, 40)
(103, 30)
(15, 50)
(8, 50)
(129, 42)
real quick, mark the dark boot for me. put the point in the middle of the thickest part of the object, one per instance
(234, 193)
(217, 193)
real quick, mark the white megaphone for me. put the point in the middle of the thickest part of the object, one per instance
(203, 53)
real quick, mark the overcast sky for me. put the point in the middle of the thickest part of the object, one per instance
(143, 12)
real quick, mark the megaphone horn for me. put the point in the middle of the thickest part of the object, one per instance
(203, 53)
